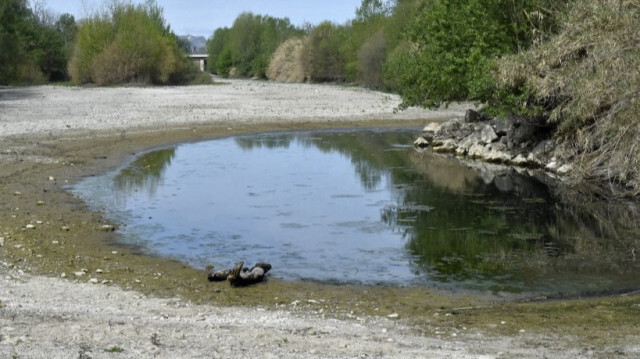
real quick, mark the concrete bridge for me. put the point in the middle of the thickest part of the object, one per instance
(200, 60)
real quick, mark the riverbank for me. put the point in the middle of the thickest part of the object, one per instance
(114, 302)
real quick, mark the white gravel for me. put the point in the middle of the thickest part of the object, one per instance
(56, 110)
(55, 318)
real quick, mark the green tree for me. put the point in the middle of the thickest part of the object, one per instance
(34, 46)
(13, 15)
(250, 43)
(323, 58)
(129, 43)
(452, 45)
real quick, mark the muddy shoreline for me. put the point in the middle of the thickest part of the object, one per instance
(50, 238)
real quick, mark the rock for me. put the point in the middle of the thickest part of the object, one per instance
(531, 158)
(1, 241)
(79, 274)
(448, 145)
(107, 228)
(520, 160)
(393, 315)
(30, 226)
(503, 127)
(524, 132)
(564, 169)
(432, 127)
(488, 135)
(93, 280)
(497, 156)
(467, 142)
(472, 116)
(551, 166)
(421, 142)
(477, 151)
(447, 129)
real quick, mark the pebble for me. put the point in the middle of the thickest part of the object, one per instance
(98, 270)
(1, 241)
(51, 178)
(63, 275)
(107, 228)
(78, 274)
(393, 315)
(93, 280)
(30, 226)
(55, 242)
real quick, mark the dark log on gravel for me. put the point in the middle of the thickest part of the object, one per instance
(240, 275)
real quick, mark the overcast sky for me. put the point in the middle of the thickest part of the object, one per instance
(202, 17)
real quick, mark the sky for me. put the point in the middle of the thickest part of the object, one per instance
(202, 17)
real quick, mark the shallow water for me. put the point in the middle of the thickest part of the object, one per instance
(363, 207)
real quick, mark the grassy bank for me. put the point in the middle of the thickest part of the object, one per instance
(584, 82)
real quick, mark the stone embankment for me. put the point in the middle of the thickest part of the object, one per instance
(505, 141)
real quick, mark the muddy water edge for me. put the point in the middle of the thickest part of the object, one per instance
(49, 232)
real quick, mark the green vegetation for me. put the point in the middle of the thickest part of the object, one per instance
(246, 48)
(129, 44)
(34, 44)
(114, 349)
(568, 66)
(585, 82)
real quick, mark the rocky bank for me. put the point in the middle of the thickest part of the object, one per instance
(507, 141)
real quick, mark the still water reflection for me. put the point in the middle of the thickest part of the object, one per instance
(361, 206)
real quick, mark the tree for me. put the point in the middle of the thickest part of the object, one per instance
(248, 45)
(130, 43)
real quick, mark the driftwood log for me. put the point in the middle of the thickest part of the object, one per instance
(240, 275)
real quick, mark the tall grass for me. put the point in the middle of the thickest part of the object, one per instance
(586, 81)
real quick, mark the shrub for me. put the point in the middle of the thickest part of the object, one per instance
(454, 43)
(246, 48)
(323, 60)
(371, 57)
(128, 44)
(585, 81)
(286, 64)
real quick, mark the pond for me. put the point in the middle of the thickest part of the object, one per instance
(365, 207)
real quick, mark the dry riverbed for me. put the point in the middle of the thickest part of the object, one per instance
(67, 290)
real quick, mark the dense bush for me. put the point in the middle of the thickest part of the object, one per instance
(128, 44)
(454, 44)
(246, 48)
(287, 64)
(323, 58)
(34, 44)
(585, 81)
